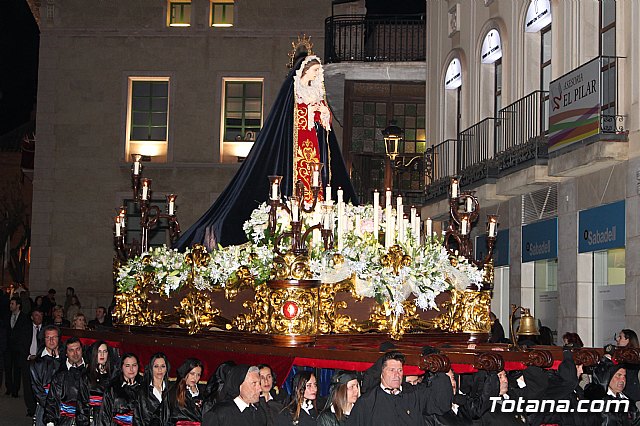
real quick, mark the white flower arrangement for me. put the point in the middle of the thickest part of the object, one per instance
(428, 273)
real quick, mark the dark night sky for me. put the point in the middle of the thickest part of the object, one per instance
(19, 39)
(400, 7)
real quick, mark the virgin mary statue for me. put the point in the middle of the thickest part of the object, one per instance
(296, 134)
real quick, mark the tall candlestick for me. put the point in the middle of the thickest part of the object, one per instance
(274, 191)
(327, 193)
(316, 232)
(136, 168)
(429, 228)
(492, 227)
(315, 179)
(171, 207)
(145, 189)
(117, 220)
(376, 217)
(341, 219)
(357, 226)
(416, 229)
(295, 213)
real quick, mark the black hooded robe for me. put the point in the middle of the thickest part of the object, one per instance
(272, 154)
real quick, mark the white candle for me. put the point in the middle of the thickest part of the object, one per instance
(454, 189)
(429, 227)
(136, 168)
(316, 232)
(376, 218)
(327, 193)
(469, 204)
(465, 226)
(341, 219)
(295, 214)
(171, 207)
(117, 226)
(405, 226)
(357, 226)
(492, 227)
(413, 222)
(388, 236)
(145, 191)
(399, 215)
(387, 197)
(315, 179)
(416, 229)
(274, 190)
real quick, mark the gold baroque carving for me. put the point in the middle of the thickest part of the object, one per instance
(466, 311)
(329, 320)
(305, 322)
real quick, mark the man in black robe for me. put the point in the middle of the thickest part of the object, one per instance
(43, 368)
(389, 404)
(240, 408)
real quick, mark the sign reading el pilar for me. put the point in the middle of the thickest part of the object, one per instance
(540, 240)
(602, 228)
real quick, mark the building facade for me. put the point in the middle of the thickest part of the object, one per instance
(533, 104)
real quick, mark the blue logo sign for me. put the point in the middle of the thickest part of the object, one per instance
(540, 240)
(602, 228)
(500, 250)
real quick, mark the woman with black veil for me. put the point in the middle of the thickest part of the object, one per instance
(296, 133)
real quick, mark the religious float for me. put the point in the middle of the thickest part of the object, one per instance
(320, 282)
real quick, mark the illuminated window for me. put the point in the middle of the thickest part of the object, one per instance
(242, 110)
(179, 13)
(222, 13)
(148, 117)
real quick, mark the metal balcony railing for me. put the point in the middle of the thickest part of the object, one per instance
(440, 160)
(477, 143)
(523, 120)
(374, 38)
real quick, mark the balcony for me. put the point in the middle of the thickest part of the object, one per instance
(375, 38)
(526, 147)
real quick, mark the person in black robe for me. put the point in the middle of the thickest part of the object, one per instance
(344, 392)
(301, 410)
(240, 408)
(61, 407)
(102, 367)
(272, 398)
(154, 390)
(46, 364)
(120, 400)
(185, 397)
(271, 154)
(390, 403)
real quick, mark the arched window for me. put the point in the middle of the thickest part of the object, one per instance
(491, 73)
(538, 49)
(452, 94)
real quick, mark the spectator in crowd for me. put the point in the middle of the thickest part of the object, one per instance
(27, 303)
(18, 346)
(302, 409)
(79, 322)
(43, 368)
(154, 390)
(269, 390)
(35, 342)
(101, 319)
(343, 394)
(58, 318)
(37, 303)
(185, 397)
(61, 406)
(48, 303)
(241, 407)
(68, 298)
(73, 309)
(120, 402)
(572, 340)
(627, 338)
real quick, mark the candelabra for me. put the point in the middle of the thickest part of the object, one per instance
(297, 207)
(150, 215)
(464, 210)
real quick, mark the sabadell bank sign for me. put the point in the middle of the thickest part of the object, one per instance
(540, 240)
(602, 228)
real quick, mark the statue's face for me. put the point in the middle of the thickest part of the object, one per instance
(312, 73)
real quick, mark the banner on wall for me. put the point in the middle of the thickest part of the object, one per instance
(574, 107)
(500, 250)
(540, 240)
(602, 228)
